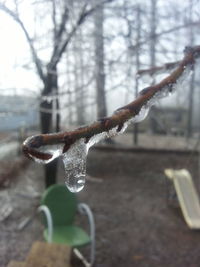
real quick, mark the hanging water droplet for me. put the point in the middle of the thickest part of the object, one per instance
(75, 183)
(75, 166)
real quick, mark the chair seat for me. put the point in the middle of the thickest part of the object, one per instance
(71, 235)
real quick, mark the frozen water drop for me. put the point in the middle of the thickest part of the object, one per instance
(75, 183)
(75, 166)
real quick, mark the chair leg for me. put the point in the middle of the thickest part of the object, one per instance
(81, 257)
(92, 252)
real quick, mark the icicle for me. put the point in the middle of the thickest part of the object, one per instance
(75, 166)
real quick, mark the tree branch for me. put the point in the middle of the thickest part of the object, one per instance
(54, 20)
(16, 17)
(159, 34)
(121, 116)
(166, 66)
(58, 31)
(60, 48)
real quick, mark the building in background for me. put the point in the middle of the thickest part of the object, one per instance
(18, 111)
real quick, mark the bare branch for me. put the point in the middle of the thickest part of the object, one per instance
(59, 30)
(54, 19)
(173, 29)
(60, 49)
(16, 17)
(122, 115)
(166, 66)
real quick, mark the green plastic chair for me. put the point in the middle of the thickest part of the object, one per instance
(59, 206)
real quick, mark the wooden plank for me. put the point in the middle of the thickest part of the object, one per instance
(48, 255)
(187, 196)
(16, 264)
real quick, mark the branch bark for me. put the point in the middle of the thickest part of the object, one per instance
(123, 114)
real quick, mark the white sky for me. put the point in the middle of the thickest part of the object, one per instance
(13, 52)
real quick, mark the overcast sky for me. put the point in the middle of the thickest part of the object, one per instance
(13, 51)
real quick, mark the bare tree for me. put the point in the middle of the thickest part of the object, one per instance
(48, 72)
(153, 19)
(99, 62)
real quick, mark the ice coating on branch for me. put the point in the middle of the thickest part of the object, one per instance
(166, 91)
(184, 78)
(96, 138)
(75, 166)
(53, 150)
(141, 115)
(106, 134)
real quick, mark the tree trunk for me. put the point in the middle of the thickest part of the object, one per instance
(48, 125)
(192, 80)
(137, 63)
(153, 22)
(99, 63)
(78, 74)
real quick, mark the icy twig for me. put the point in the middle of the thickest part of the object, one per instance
(155, 70)
(32, 147)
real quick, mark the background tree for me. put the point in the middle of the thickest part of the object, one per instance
(62, 33)
(99, 62)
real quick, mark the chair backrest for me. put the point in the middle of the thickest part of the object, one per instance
(62, 204)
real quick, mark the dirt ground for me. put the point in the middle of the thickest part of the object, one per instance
(136, 225)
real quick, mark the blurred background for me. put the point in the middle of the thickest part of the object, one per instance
(65, 63)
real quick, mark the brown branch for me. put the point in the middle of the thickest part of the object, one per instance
(166, 66)
(123, 114)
